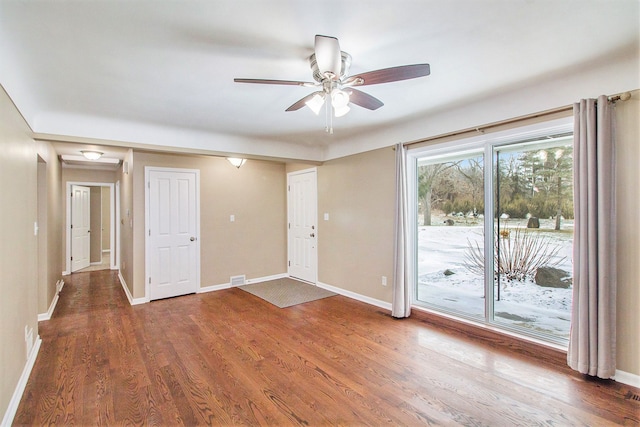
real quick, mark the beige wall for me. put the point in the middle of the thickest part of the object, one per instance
(355, 246)
(18, 245)
(50, 259)
(253, 245)
(95, 224)
(106, 219)
(628, 234)
(126, 220)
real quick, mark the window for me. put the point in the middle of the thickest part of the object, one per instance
(509, 195)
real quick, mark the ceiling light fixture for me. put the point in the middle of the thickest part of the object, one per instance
(316, 102)
(91, 155)
(236, 161)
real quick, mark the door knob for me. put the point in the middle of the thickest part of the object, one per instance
(312, 235)
(192, 238)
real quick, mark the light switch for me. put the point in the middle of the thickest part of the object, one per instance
(326, 216)
(232, 218)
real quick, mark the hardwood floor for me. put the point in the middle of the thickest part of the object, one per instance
(228, 357)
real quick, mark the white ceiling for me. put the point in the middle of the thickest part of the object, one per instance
(161, 72)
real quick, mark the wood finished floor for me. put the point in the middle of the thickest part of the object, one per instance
(228, 357)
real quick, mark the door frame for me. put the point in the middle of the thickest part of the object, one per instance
(147, 220)
(115, 226)
(289, 175)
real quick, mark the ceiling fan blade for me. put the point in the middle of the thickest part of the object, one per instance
(276, 82)
(301, 103)
(328, 56)
(364, 99)
(387, 75)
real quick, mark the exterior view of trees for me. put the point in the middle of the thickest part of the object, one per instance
(535, 182)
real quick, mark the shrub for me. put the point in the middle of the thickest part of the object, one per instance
(521, 252)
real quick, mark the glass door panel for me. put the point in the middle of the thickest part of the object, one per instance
(533, 223)
(450, 237)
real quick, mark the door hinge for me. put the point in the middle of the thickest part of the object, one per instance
(148, 184)
(149, 280)
(289, 263)
(72, 226)
(71, 258)
(288, 188)
(149, 232)
(289, 226)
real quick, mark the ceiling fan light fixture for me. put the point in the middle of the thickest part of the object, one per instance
(91, 155)
(341, 111)
(236, 161)
(339, 99)
(316, 102)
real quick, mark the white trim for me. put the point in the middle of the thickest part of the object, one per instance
(22, 383)
(132, 301)
(65, 273)
(362, 298)
(266, 278)
(52, 307)
(147, 222)
(49, 313)
(104, 251)
(627, 378)
(214, 288)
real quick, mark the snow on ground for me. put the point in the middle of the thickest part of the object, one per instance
(522, 303)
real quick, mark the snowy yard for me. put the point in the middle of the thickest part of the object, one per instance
(522, 303)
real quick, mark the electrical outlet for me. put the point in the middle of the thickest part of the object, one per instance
(384, 280)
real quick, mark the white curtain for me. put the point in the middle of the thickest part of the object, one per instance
(592, 342)
(401, 303)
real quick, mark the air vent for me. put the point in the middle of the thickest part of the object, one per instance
(238, 280)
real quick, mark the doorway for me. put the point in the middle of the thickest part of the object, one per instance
(172, 210)
(91, 226)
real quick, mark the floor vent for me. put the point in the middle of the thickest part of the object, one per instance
(238, 280)
(632, 396)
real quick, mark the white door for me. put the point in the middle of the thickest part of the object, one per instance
(173, 246)
(80, 227)
(302, 212)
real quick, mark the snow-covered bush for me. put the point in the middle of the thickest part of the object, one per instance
(520, 253)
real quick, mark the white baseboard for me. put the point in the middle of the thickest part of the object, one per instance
(362, 298)
(627, 378)
(7, 420)
(266, 278)
(65, 273)
(213, 288)
(132, 301)
(49, 313)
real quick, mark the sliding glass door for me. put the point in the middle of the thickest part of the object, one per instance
(450, 218)
(512, 200)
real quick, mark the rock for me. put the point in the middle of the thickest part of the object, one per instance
(533, 222)
(449, 222)
(550, 277)
(448, 272)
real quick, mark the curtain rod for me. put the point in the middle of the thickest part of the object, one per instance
(482, 129)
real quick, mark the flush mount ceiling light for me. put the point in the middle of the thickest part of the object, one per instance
(91, 155)
(330, 67)
(236, 161)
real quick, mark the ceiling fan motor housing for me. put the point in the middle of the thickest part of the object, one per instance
(345, 60)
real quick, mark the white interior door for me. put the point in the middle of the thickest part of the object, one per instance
(80, 227)
(173, 248)
(303, 233)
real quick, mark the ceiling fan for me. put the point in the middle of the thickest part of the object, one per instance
(330, 68)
